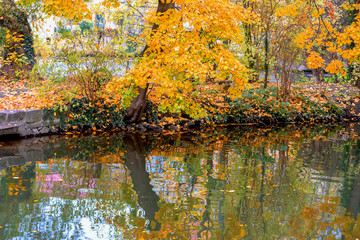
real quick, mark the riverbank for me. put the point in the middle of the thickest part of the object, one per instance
(311, 103)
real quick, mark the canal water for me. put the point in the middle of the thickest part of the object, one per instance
(290, 182)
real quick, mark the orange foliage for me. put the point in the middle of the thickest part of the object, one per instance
(186, 51)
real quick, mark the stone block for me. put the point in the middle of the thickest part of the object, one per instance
(55, 122)
(33, 116)
(3, 117)
(10, 128)
(16, 116)
(44, 130)
(22, 131)
(34, 132)
(26, 123)
(35, 125)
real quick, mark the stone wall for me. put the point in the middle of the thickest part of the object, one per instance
(24, 123)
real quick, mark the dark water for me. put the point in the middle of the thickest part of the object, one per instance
(240, 183)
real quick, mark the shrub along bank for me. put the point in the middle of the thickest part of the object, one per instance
(256, 105)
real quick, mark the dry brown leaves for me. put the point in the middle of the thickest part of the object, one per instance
(18, 95)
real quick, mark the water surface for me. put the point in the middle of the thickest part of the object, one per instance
(225, 183)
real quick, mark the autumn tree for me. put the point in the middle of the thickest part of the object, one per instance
(14, 17)
(272, 40)
(349, 19)
(321, 33)
(18, 50)
(331, 40)
(135, 111)
(185, 49)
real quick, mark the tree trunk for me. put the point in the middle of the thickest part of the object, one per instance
(250, 64)
(249, 44)
(318, 74)
(15, 20)
(285, 82)
(266, 61)
(135, 112)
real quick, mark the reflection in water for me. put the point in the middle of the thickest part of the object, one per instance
(135, 162)
(241, 183)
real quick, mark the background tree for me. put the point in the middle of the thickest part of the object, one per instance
(332, 37)
(18, 39)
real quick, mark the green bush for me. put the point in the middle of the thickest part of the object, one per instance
(263, 105)
(81, 114)
(2, 36)
(85, 114)
(85, 26)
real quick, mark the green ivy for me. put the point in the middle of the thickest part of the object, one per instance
(272, 109)
(85, 114)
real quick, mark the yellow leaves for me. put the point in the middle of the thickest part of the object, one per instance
(349, 7)
(303, 37)
(328, 26)
(331, 47)
(351, 34)
(182, 54)
(110, 4)
(118, 91)
(317, 13)
(314, 60)
(325, 32)
(14, 100)
(75, 10)
(336, 66)
(287, 10)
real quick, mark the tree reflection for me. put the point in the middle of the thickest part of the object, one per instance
(246, 183)
(135, 162)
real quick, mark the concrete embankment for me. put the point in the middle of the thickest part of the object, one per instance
(23, 123)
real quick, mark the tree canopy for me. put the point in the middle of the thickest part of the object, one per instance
(180, 52)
